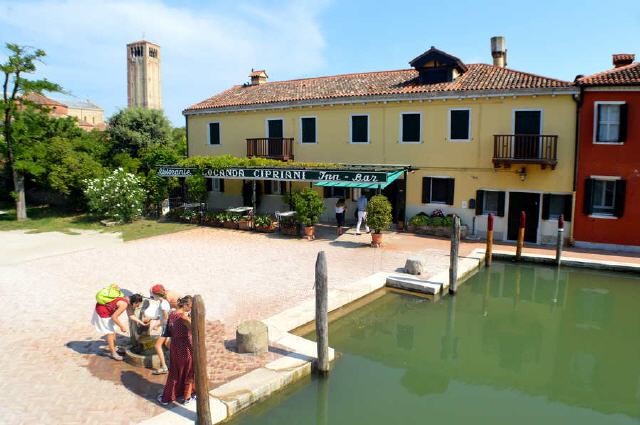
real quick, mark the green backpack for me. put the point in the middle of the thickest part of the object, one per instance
(108, 294)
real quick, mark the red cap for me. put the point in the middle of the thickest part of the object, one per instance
(158, 289)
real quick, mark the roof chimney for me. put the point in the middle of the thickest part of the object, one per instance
(499, 51)
(258, 77)
(622, 59)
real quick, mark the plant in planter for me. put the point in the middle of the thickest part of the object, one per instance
(378, 218)
(231, 220)
(244, 222)
(308, 207)
(264, 223)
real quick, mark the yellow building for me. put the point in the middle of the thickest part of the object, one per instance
(480, 138)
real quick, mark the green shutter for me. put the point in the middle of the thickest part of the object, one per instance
(479, 202)
(622, 130)
(568, 206)
(426, 190)
(598, 115)
(621, 187)
(451, 185)
(209, 183)
(587, 206)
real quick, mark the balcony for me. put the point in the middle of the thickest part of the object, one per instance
(525, 149)
(271, 147)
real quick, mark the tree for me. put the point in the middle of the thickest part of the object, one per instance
(15, 88)
(134, 129)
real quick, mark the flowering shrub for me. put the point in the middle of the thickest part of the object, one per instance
(437, 213)
(119, 196)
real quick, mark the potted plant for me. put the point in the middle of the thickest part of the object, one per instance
(231, 220)
(264, 223)
(244, 222)
(308, 206)
(378, 218)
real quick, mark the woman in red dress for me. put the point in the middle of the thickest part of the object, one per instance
(180, 379)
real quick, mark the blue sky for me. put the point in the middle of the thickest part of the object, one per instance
(208, 46)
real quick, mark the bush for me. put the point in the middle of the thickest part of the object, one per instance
(379, 213)
(119, 196)
(308, 206)
(422, 219)
(263, 221)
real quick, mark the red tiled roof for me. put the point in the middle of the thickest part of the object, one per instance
(627, 75)
(41, 99)
(478, 77)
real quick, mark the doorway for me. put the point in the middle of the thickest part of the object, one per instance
(275, 133)
(395, 193)
(527, 125)
(530, 204)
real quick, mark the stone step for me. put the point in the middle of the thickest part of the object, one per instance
(414, 285)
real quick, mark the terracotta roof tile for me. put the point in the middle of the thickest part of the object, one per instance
(478, 77)
(628, 75)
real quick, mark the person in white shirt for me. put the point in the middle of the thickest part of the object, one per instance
(158, 312)
(362, 214)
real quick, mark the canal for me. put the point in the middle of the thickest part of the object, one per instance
(518, 344)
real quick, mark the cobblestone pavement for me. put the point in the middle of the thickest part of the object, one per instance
(52, 372)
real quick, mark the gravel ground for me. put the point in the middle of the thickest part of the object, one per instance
(48, 375)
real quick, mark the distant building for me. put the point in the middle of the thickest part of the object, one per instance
(89, 115)
(143, 75)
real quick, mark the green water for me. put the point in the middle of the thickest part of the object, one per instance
(517, 345)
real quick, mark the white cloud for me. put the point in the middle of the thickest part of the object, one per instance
(203, 50)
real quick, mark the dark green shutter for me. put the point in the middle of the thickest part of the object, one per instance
(308, 130)
(214, 133)
(621, 187)
(587, 206)
(546, 206)
(598, 115)
(451, 185)
(209, 184)
(426, 190)
(221, 185)
(479, 202)
(622, 130)
(568, 204)
(501, 198)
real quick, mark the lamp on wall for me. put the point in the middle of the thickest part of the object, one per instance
(522, 173)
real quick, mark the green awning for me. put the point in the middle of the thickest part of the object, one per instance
(390, 178)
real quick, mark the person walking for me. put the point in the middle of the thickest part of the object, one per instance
(181, 377)
(159, 315)
(341, 210)
(107, 316)
(362, 213)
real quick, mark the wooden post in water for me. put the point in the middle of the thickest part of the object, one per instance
(560, 240)
(322, 315)
(520, 243)
(253, 204)
(488, 252)
(200, 362)
(453, 258)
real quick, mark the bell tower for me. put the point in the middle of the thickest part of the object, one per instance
(143, 75)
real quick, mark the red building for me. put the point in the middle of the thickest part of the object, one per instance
(608, 163)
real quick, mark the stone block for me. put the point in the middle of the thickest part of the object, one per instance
(414, 265)
(252, 336)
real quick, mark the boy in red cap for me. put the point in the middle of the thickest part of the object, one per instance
(168, 300)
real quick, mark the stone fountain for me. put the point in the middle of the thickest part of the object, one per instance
(141, 352)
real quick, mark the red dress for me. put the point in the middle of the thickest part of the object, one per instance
(180, 358)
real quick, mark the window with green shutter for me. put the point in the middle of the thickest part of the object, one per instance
(214, 133)
(410, 127)
(308, 130)
(359, 129)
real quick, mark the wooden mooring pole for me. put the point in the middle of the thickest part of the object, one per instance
(560, 240)
(200, 362)
(520, 243)
(488, 252)
(322, 314)
(453, 258)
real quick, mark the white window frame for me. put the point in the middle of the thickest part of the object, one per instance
(401, 130)
(209, 133)
(470, 136)
(266, 126)
(368, 142)
(215, 185)
(595, 121)
(431, 190)
(602, 214)
(316, 130)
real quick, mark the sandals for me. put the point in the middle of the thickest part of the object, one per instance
(116, 356)
(161, 371)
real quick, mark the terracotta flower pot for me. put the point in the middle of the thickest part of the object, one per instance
(376, 240)
(310, 232)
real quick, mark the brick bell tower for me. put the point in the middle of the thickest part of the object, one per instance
(143, 75)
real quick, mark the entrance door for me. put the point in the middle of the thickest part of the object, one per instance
(275, 133)
(395, 192)
(530, 204)
(526, 126)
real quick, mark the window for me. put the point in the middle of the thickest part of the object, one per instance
(604, 196)
(460, 124)
(214, 133)
(335, 192)
(359, 129)
(553, 205)
(410, 127)
(490, 202)
(215, 185)
(437, 190)
(308, 130)
(274, 187)
(610, 122)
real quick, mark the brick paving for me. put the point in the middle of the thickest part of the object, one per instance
(52, 371)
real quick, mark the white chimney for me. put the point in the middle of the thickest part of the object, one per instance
(499, 51)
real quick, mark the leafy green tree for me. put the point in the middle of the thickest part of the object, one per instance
(134, 129)
(15, 88)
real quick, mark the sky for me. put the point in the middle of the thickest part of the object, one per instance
(208, 46)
